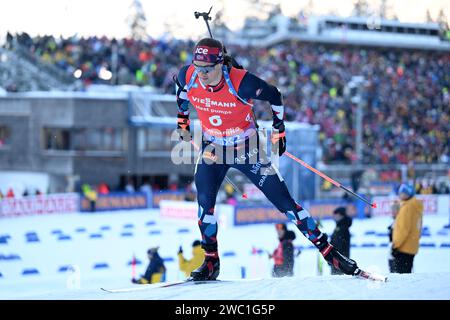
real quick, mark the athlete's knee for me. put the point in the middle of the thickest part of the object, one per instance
(205, 200)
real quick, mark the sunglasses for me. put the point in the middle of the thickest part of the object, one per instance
(204, 69)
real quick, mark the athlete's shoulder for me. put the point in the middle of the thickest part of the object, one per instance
(182, 74)
(236, 75)
(250, 81)
(251, 78)
(253, 87)
(238, 71)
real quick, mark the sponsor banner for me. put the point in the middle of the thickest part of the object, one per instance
(37, 205)
(117, 201)
(324, 208)
(189, 211)
(251, 214)
(178, 209)
(158, 196)
(432, 205)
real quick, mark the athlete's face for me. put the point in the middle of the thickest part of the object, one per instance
(209, 73)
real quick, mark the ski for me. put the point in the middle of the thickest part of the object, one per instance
(192, 282)
(123, 290)
(370, 276)
(162, 285)
(361, 274)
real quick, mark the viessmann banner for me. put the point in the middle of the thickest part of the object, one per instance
(117, 201)
(159, 196)
(265, 213)
(39, 205)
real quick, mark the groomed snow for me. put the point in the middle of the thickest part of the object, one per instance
(430, 280)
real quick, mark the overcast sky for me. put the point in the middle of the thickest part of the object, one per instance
(108, 17)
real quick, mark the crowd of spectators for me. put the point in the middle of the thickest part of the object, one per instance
(131, 61)
(406, 114)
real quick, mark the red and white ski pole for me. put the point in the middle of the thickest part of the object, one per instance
(133, 267)
(337, 184)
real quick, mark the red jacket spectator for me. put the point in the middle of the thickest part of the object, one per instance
(10, 193)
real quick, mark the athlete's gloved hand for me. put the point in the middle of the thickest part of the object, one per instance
(183, 129)
(278, 137)
(180, 250)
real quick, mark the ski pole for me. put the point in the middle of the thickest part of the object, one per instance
(133, 267)
(337, 184)
(243, 195)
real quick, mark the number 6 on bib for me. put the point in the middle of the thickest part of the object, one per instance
(215, 120)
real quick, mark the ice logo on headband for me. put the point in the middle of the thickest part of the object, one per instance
(201, 50)
(207, 54)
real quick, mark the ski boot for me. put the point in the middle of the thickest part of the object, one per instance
(210, 268)
(335, 258)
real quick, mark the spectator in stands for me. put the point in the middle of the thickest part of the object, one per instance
(155, 271)
(147, 189)
(190, 192)
(1, 195)
(90, 195)
(173, 186)
(443, 187)
(10, 193)
(406, 231)
(283, 255)
(230, 195)
(103, 188)
(198, 254)
(130, 186)
(340, 239)
(426, 186)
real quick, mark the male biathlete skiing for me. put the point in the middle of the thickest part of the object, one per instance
(222, 96)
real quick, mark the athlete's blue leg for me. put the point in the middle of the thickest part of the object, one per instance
(269, 181)
(208, 178)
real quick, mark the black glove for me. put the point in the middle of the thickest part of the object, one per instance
(180, 250)
(394, 252)
(390, 231)
(134, 280)
(278, 137)
(183, 129)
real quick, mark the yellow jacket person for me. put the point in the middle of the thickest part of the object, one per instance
(406, 230)
(198, 254)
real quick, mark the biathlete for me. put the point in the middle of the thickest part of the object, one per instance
(222, 96)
